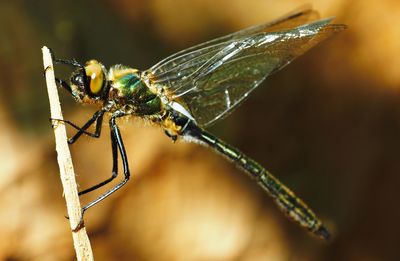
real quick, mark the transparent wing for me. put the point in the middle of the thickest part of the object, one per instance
(214, 79)
(175, 67)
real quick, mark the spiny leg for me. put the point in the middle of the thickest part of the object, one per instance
(94, 135)
(117, 142)
(64, 84)
(73, 63)
(61, 82)
(97, 117)
(114, 168)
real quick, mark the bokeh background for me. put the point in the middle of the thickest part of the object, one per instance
(328, 126)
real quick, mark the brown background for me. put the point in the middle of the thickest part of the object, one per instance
(328, 126)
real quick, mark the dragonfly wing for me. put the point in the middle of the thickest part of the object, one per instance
(219, 83)
(181, 64)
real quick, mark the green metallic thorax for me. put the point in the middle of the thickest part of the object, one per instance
(131, 94)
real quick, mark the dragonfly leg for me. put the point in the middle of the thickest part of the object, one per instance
(114, 168)
(117, 144)
(73, 62)
(97, 117)
(64, 84)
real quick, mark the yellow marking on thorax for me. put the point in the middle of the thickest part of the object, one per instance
(118, 72)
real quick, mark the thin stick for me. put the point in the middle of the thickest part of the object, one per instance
(81, 240)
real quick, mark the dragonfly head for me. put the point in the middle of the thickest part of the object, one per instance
(89, 85)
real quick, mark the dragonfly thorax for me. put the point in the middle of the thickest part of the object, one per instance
(131, 94)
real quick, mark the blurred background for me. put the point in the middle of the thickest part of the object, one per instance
(328, 126)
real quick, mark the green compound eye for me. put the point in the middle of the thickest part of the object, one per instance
(95, 73)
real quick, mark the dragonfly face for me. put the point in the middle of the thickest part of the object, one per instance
(88, 83)
(189, 90)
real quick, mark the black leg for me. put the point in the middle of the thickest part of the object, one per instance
(73, 63)
(114, 168)
(116, 140)
(97, 117)
(76, 127)
(64, 84)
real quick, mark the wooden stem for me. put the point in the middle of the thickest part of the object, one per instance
(80, 238)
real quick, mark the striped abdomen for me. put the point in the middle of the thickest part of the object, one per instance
(283, 196)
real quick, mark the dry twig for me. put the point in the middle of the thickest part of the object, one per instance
(81, 240)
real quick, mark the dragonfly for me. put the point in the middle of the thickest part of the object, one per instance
(194, 88)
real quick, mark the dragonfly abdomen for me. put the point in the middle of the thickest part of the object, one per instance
(287, 201)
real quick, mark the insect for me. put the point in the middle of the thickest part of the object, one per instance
(192, 89)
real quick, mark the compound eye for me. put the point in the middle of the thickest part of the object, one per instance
(95, 73)
(77, 79)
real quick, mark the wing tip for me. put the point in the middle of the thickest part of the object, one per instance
(326, 25)
(334, 28)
